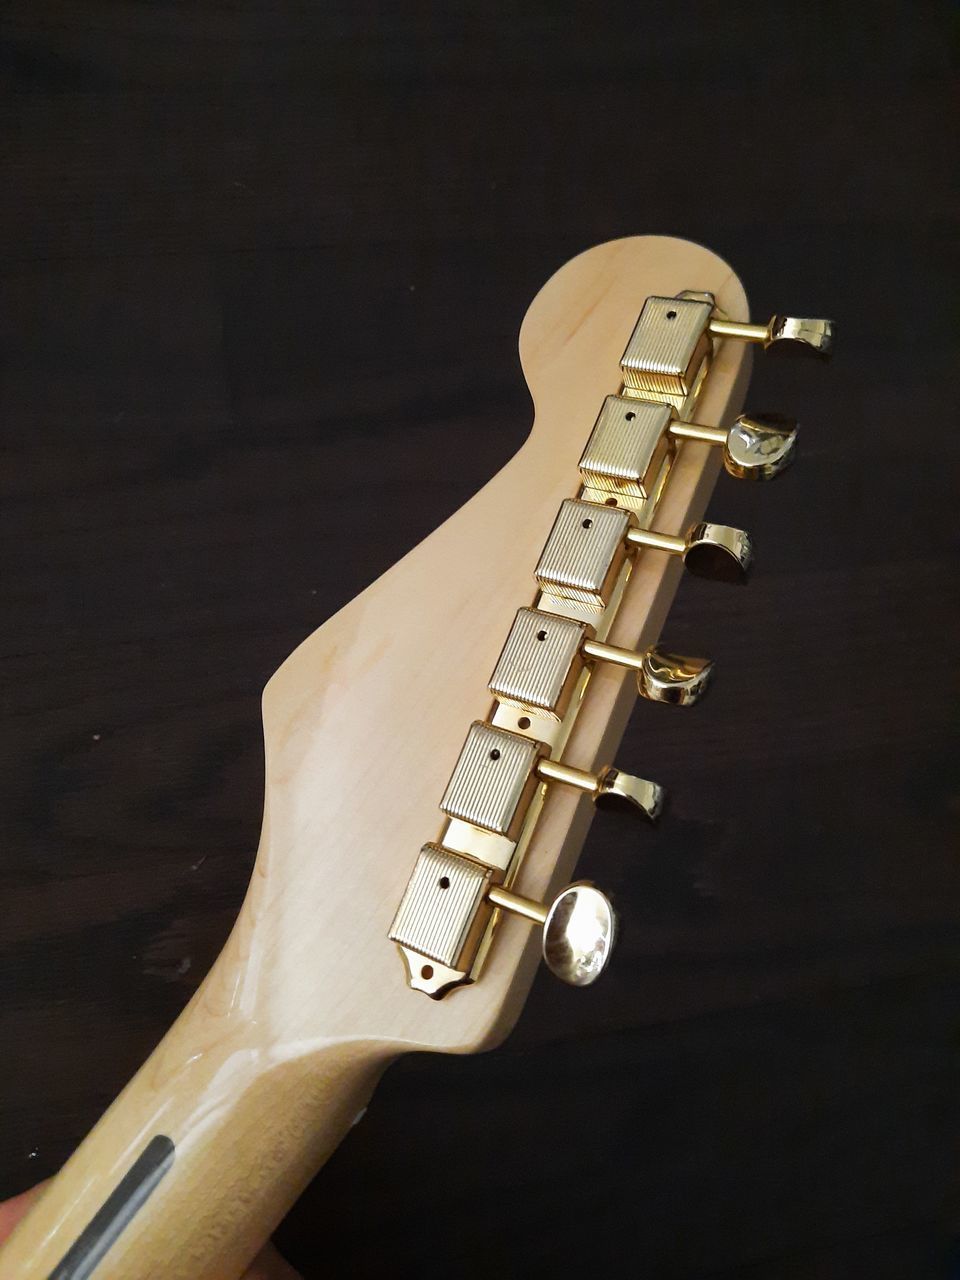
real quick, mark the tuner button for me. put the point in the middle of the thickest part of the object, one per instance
(719, 552)
(709, 550)
(661, 676)
(793, 335)
(610, 788)
(783, 334)
(579, 929)
(760, 448)
(619, 790)
(670, 677)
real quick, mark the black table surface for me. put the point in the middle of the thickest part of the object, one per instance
(259, 264)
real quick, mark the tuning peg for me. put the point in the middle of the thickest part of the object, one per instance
(493, 781)
(661, 676)
(781, 333)
(756, 448)
(672, 338)
(579, 929)
(610, 788)
(714, 551)
(585, 551)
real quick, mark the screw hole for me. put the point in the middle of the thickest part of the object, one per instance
(587, 524)
(671, 315)
(444, 882)
(630, 416)
(541, 635)
(427, 971)
(523, 722)
(611, 502)
(494, 754)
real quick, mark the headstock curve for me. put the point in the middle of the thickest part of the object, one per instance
(364, 720)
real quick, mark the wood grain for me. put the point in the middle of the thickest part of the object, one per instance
(278, 1052)
(766, 1080)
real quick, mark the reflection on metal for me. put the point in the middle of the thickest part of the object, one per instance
(502, 780)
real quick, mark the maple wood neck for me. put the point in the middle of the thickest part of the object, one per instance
(200, 1157)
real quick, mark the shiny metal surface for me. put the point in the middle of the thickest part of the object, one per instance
(619, 790)
(538, 666)
(661, 676)
(543, 673)
(441, 913)
(755, 448)
(673, 678)
(579, 929)
(579, 934)
(759, 448)
(719, 552)
(784, 334)
(810, 337)
(492, 781)
(667, 346)
(583, 552)
(626, 447)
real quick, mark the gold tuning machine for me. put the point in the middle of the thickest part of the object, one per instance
(579, 929)
(583, 556)
(548, 664)
(609, 789)
(625, 452)
(661, 676)
(784, 334)
(497, 772)
(449, 902)
(670, 344)
(755, 448)
(715, 551)
(544, 654)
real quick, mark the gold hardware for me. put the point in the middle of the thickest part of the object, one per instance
(626, 448)
(673, 339)
(787, 333)
(610, 788)
(538, 669)
(448, 904)
(493, 780)
(755, 448)
(661, 676)
(584, 552)
(579, 929)
(543, 657)
(714, 551)
(447, 918)
(631, 438)
(442, 914)
(667, 347)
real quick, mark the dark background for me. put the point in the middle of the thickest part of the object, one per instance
(259, 264)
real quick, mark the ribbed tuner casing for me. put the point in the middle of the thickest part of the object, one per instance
(667, 346)
(493, 779)
(441, 909)
(583, 552)
(626, 447)
(539, 662)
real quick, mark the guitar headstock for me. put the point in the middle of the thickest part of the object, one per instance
(492, 670)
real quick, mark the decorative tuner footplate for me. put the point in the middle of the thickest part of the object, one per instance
(510, 763)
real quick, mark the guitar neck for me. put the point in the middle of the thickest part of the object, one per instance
(197, 1161)
(199, 1158)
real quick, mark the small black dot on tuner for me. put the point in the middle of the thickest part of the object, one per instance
(494, 754)
(588, 524)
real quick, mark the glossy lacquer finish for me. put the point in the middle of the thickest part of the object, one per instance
(280, 1048)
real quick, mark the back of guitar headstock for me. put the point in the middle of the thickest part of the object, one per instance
(388, 710)
(432, 754)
